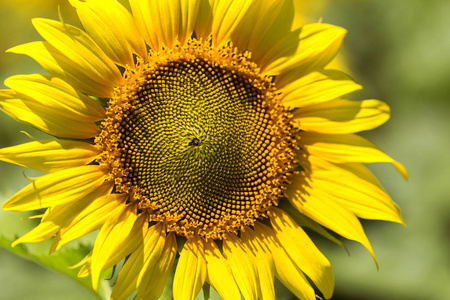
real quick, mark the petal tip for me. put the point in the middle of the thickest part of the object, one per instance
(37, 21)
(402, 170)
(7, 206)
(13, 49)
(16, 242)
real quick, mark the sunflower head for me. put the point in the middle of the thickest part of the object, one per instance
(222, 134)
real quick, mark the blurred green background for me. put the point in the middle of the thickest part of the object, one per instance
(400, 52)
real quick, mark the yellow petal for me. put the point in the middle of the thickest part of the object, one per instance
(112, 27)
(302, 251)
(219, 273)
(55, 218)
(144, 258)
(154, 280)
(226, 17)
(189, 15)
(303, 221)
(128, 242)
(90, 218)
(59, 95)
(57, 188)
(190, 274)
(50, 155)
(86, 265)
(265, 23)
(82, 262)
(81, 74)
(308, 48)
(285, 268)
(355, 188)
(85, 55)
(59, 65)
(316, 87)
(119, 236)
(42, 232)
(68, 212)
(319, 206)
(243, 266)
(203, 25)
(165, 22)
(264, 263)
(51, 60)
(347, 148)
(365, 201)
(44, 118)
(342, 116)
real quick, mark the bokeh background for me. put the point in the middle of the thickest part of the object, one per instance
(400, 52)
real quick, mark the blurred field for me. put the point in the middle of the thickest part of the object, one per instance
(399, 51)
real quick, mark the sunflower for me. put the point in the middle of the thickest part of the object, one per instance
(203, 134)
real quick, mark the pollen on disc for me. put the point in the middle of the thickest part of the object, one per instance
(198, 137)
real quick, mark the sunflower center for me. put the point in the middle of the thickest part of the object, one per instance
(198, 137)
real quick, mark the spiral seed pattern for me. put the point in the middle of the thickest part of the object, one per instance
(198, 138)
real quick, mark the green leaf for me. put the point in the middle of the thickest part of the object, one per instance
(60, 261)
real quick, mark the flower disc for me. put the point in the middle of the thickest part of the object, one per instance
(201, 139)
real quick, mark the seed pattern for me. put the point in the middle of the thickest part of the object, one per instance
(199, 139)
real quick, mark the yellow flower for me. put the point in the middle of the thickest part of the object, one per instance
(209, 130)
